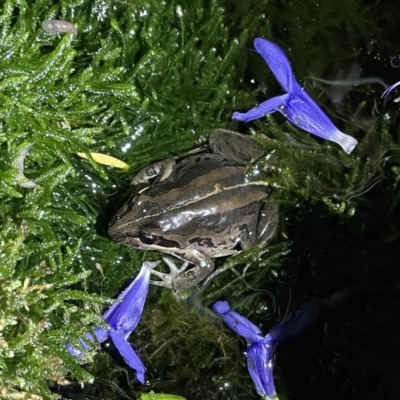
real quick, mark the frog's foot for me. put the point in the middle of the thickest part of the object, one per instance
(180, 279)
(167, 280)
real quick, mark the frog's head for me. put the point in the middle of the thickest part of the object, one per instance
(126, 226)
(136, 227)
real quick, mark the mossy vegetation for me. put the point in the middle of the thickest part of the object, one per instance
(145, 80)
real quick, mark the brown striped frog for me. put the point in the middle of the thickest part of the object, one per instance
(199, 208)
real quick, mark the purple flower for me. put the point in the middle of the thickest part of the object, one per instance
(123, 317)
(260, 349)
(296, 105)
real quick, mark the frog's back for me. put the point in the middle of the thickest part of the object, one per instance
(205, 196)
(195, 169)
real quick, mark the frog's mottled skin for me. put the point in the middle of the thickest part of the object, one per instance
(199, 208)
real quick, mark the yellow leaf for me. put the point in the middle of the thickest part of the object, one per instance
(106, 160)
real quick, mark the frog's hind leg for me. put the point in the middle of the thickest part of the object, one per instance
(235, 146)
(264, 227)
(267, 223)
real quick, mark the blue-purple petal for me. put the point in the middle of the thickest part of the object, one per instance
(84, 345)
(125, 315)
(266, 107)
(260, 365)
(277, 62)
(239, 324)
(302, 111)
(129, 355)
(73, 351)
(101, 334)
(79, 353)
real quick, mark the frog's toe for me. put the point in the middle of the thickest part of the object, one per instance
(182, 278)
(168, 280)
(173, 268)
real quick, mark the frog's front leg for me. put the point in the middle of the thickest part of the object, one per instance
(161, 169)
(183, 278)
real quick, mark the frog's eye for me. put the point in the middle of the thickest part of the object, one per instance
(146, 238)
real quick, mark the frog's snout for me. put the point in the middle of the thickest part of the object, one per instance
(113, 229)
